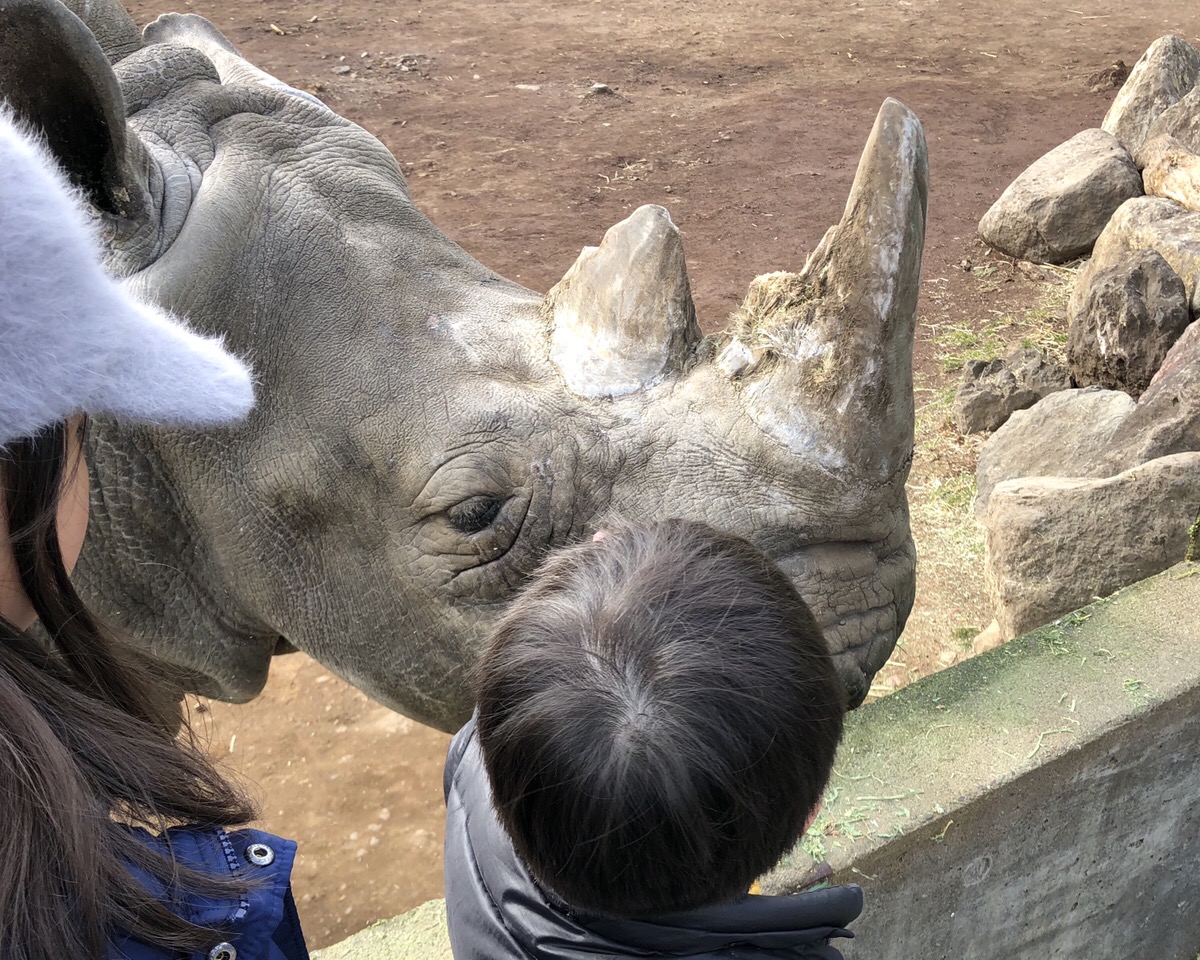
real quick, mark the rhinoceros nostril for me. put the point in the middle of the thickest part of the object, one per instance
(855, 683)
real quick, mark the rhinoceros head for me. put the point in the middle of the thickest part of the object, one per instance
(427, 430)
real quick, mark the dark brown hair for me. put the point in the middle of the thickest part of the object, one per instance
(658, 715)
(85, 753)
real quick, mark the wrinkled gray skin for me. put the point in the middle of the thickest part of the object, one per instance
(419, 446)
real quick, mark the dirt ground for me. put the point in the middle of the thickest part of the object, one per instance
(746, 119)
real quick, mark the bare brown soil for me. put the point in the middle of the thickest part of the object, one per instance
(745, 118)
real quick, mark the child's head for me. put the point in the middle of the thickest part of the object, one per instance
(658, 715)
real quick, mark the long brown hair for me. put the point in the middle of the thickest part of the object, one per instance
(86, 753)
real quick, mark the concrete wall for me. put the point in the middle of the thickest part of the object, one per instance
(1042, 800)
(419, 934)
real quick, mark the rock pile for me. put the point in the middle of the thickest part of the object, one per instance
(992, 390)
(1129, 194)
(1096, 487)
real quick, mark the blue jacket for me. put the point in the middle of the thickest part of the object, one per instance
(497, 911)
(262, 925)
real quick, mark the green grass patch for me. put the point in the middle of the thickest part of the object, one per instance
(1056, 637)
(954, 493)
(862, 816)
(933, 410)
(1136, 691)
(964, 636)
(941, 508)
(959, 345)
(1042, 326)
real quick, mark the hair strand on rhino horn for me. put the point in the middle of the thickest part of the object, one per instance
(622, 316)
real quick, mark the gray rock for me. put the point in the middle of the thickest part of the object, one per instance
(1054, 543)
(1172, 171)
(1181, 121)
(1125, 317)
(1065, 435)
(1167, 417)
(992, 390)
(1152, 223)
(1054, 211)
(1155, 150)
(1166, 73)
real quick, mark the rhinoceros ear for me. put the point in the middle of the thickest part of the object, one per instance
(111, 25)
(57, 80)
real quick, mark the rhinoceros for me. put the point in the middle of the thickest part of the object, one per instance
(427, 430)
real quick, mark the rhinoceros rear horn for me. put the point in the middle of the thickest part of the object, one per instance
(56, 79)
(622, 315)
(826, 354)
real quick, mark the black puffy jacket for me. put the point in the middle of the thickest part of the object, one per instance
(497, 911)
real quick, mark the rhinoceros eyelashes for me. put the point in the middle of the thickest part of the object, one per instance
(475, 514)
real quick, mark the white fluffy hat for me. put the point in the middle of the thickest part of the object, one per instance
(72, 339)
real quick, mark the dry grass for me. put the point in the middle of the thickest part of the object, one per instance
(773, 304)
(952, 604)
(1043, 327)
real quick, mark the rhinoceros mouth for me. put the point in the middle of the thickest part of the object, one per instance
(283, 646)
(861, 595)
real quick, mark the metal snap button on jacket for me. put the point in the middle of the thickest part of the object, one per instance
(260, 854)
(223, 951)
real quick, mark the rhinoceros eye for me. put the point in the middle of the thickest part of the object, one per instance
(475, 514)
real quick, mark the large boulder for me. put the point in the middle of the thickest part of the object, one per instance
(991, 391)
(1167, 417)
(1166, 73)
(1152, 223)
(1124, 318)
(1172, 171)
(1065, 435)
(1055, 543)
(1181, 120)
(1155, 150)
(1055, 210)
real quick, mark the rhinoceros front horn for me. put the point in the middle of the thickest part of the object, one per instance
(826, 354)
(622, 315)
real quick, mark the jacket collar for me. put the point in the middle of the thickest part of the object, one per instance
(546, 927)
(766, 923)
